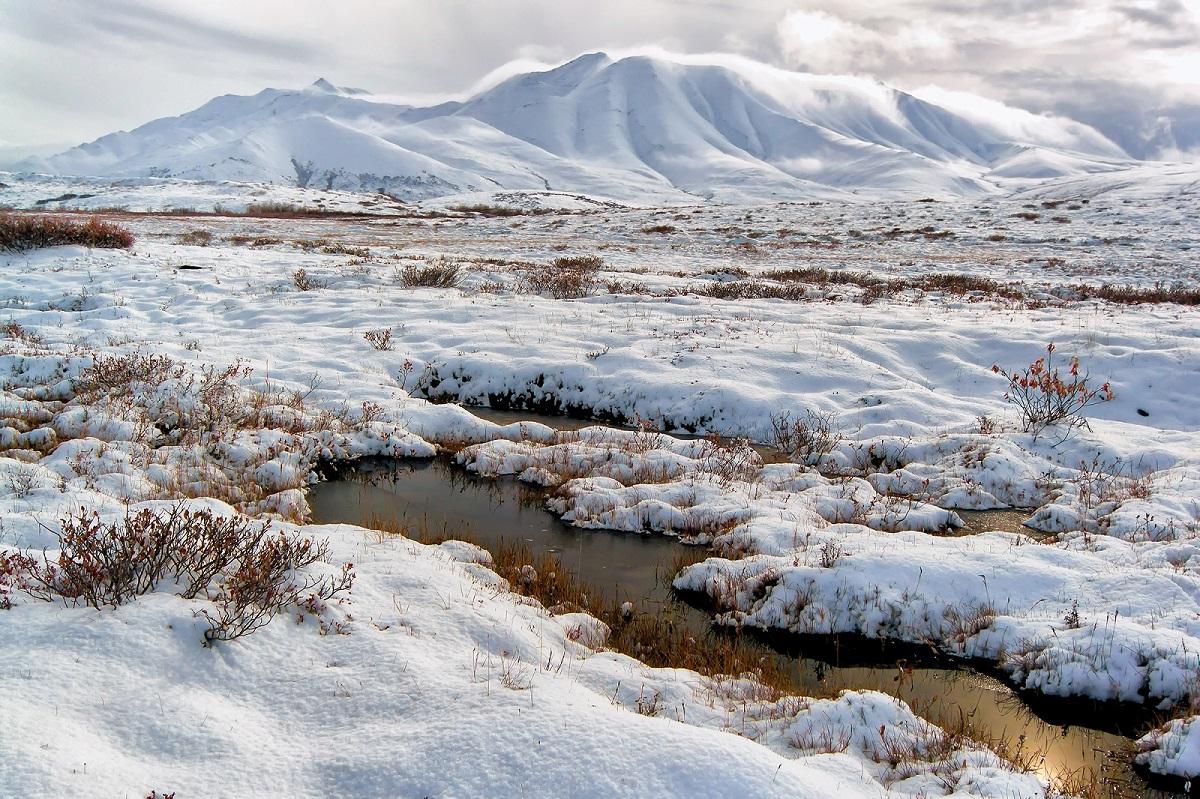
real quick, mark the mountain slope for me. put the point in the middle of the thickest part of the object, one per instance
(638, 129)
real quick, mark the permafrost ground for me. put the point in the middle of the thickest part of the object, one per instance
(446, 683)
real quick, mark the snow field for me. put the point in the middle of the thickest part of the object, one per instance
(836, 550)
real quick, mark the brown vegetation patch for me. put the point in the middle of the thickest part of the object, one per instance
(22, 232)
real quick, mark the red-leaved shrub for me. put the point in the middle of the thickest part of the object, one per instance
(1046, 398)
(21, 232)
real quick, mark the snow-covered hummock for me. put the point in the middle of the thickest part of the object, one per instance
(850, 555)
(433, 680)
(445, 685)
(1173, 749)
(640, 129)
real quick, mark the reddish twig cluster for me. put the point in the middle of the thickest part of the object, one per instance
(251, 572)
(1046, 397)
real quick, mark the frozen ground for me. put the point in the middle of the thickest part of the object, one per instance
(855, 546)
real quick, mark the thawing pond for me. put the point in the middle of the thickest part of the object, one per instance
(438, 496)
(1006, 521)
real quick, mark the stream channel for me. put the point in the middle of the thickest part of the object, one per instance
(1075, 735)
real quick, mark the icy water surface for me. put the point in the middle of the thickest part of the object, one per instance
(441, 496)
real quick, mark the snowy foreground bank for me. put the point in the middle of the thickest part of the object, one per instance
(443, 685)
(116, 393)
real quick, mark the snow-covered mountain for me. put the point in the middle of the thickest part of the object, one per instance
(641, 129)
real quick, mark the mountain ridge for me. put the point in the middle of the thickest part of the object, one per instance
(639, 128)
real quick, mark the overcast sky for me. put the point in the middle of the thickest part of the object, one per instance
(72, 70)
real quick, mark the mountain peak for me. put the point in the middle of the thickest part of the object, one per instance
(574, 70)
(589, 60)
(322, 86)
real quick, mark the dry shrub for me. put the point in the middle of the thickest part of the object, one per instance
(751, 290)
(117, 375)
(303, 281)
(831, 553)
(644, 437)
(815, 274)
(567, 277)
(875, 287)
(246, 568)
(662, 229)
(338, 248)
(196, 238)
(626, 287)
(380, 339)
(808, 439)
(930, 752)
(963, 623)
(441, 274)
(106, 565)
(220, 397)
(15, 569)
(484, 209)
(959, 284)
(262, 586)
(308, 245)
(730, 461)
(1178, 293)
(282, 210)
(189, 420)
(263, 209)
(17, 332)
(124, 379)
(1046, 398)
(279, 209)
(253, 241)
(1101, 487)
(588, 263)
(954, 283)
(199, 407)
(22, 232)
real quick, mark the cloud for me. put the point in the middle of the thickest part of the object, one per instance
(1165, 14)
(1073, 58)
(818, 41)
(132, 24)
